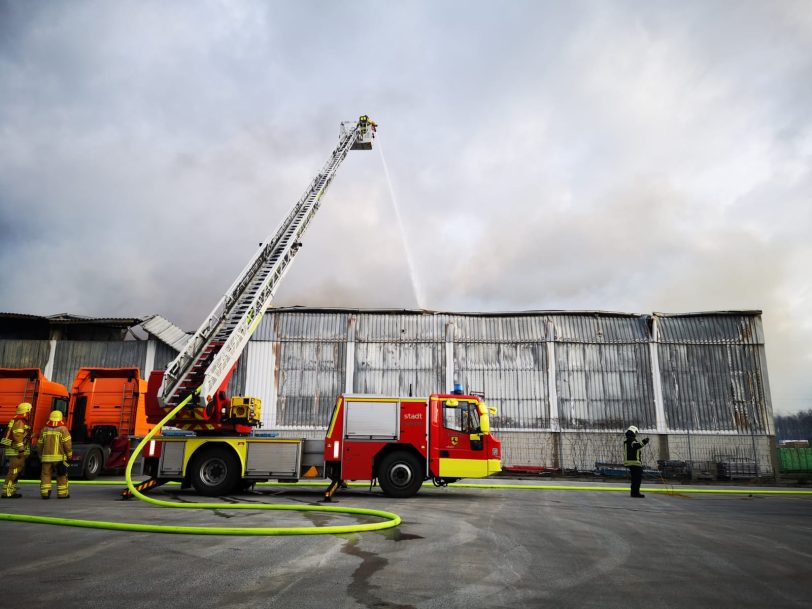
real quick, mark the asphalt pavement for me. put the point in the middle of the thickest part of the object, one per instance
(463, 547)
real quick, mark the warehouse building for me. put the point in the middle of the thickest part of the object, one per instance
(566, 384)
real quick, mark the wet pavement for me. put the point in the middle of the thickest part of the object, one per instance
(459, 547)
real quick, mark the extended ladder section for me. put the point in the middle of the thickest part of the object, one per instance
(210, 355)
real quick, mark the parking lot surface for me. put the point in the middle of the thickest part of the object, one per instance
(456, 547)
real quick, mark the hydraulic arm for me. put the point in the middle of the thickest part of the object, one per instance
(211, 354)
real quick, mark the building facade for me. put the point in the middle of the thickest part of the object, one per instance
(565, 384)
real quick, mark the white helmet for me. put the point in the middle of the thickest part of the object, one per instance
(633, 429)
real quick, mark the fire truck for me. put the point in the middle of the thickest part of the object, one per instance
(217, 447)
(104, 408)
(401, 442)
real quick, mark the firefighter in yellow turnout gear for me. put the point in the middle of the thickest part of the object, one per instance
(54, 452)
(17, 446)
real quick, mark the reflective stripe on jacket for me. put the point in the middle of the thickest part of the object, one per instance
(16, 439)
(54, 444)
(631, 452)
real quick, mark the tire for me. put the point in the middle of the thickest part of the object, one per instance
(92, 464)
(399, 475)
(215, 471)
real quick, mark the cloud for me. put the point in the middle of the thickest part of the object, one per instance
(619, 156)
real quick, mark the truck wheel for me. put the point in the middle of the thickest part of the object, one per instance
(215, 471)
(399, 475)
(92, 464)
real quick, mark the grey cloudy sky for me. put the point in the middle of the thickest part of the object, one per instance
(624, 156)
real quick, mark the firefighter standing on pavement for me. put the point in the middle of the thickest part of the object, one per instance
(54, 451)
(17, 444)
(631, 455)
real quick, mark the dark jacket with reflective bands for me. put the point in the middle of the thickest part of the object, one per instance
(631, 451)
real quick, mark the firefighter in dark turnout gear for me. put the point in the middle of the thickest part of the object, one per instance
(631, 459)
(55, 452)
(17, 444)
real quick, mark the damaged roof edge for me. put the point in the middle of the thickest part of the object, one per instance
(165, 331)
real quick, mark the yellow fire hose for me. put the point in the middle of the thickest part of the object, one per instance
(390, 519)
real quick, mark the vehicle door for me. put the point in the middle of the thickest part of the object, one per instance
(460, 440)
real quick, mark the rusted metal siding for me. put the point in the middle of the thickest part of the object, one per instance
(24, 353)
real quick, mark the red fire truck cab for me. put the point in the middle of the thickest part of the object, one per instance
(403, 441)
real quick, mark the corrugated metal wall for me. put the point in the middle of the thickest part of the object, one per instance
(24, 353)
(604, 386)
(297, 366)
(712, 374)
(163, 355)
(603, 371)
(710, 365)
(310, 376)
(74, 354)
(398, 354)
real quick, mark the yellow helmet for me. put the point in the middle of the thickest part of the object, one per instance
(24, 408)
(56, 416)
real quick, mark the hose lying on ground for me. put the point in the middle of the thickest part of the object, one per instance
(390, 519)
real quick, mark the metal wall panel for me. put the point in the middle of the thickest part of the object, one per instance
(730, 328)
(74, 354)
(395, 327)
(260, 378)
(311, 375)
(163, 355)
(287, 324)
(598, 329)
(24, 353)
(389, 368)
(513, 377)
(501, 328)
(714, 387)
(604, 386)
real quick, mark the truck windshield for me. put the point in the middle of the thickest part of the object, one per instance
(461, 417)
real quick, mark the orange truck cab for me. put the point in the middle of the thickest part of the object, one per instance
(106, 407)
(30, 385)
(103, 409)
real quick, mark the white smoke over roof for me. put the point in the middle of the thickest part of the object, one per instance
(623, 156)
